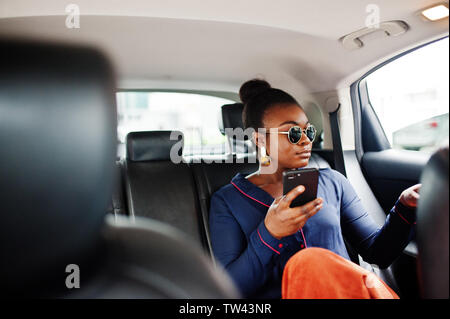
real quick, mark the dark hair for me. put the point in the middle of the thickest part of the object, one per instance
(258, 96)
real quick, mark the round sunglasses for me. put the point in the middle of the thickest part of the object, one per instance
(294, 134)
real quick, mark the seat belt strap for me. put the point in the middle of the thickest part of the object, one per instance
(338, 153)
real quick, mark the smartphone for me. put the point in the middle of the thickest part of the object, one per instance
(308, 177)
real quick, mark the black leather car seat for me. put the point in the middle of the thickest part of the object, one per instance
(158, 187)
(232, 128)
(432, 227)
(58, 142)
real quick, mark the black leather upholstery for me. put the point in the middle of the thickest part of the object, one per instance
(56, 167)
(433, 226)
(149, 259)
(117, 204)
(232, 127)
(58, 137)
(161, 189)
(231, 116)
(152, 145)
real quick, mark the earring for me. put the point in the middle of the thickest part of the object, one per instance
(264, 159)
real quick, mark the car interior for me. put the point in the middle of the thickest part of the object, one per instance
(97, 98)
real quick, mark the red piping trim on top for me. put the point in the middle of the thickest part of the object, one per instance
(303, 235)
(249, 195)
(396, 210)
(257, 230)
(267, 243)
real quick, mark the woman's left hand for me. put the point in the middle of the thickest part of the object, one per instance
(410, 196)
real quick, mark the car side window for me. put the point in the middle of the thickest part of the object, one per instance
(410, 97)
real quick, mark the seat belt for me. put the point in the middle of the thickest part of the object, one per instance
(338, 153)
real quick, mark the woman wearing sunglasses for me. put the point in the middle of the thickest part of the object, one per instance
(264, 244)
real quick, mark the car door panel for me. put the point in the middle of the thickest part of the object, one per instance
(391, 171)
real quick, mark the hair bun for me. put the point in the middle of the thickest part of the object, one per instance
(252, 88)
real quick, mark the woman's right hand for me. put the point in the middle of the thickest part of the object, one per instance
(282, 221)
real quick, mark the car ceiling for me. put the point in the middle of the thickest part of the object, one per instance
(216, 45)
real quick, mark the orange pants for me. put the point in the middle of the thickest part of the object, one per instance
(317, 273)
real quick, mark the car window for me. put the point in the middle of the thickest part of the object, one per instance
(196, 115)
(410, 98)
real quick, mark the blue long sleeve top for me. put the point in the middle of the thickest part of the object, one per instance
(255, 259)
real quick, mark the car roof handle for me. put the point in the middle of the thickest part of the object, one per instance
(352, 41)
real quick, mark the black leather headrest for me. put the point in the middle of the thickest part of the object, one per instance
(153, 145)
(231, 116)
(58, 142)
(433, 226)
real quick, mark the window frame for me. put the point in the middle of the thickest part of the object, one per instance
(362, 108)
